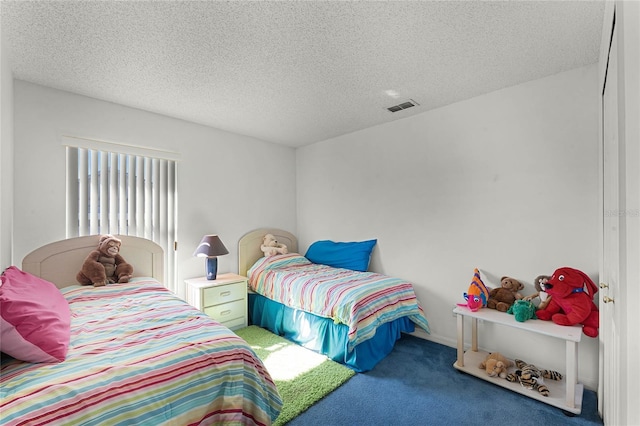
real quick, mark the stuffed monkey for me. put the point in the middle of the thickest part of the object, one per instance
(105, 265)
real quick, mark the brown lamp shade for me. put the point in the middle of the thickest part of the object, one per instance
(210, 246)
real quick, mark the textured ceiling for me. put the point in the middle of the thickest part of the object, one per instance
(294, 72)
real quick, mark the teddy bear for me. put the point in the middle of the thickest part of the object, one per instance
(271, 247)
(105, 265)
(502, 298)
(571, 292)
(496, 365)
(543, 295)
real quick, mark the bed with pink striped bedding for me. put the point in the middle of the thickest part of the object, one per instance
(361, 300)
(140, 356)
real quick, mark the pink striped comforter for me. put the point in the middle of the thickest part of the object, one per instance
(140, 356)
(361, 300)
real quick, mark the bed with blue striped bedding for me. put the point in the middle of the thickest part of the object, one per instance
(139, 355)
(363, 302)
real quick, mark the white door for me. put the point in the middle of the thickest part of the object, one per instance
(609, 401)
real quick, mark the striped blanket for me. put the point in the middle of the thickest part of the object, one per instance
(140, 356)
(361, 300)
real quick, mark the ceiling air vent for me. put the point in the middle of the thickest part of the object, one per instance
(410, 103)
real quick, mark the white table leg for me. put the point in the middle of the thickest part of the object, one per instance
(474, 334)
(572, 372)
(460, 320)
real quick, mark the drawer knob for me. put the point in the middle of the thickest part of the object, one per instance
(223, 313)
(603, 285)
(225, 293)
(607, 299)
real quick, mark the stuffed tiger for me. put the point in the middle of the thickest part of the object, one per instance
(531, 376)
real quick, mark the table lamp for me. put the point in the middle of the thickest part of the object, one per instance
(211, 247)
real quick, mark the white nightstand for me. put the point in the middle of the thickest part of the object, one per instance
(223, 299)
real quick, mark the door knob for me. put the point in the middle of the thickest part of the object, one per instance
(603, 285)
(607, 299)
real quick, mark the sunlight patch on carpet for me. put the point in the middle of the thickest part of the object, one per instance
(303, 377)
(289, 362)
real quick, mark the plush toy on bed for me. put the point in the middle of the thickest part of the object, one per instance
(271, 247)
(502, 298)
(496, 365)
(105, 265)
(571, 302)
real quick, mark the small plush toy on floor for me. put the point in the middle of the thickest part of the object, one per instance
(105, 265)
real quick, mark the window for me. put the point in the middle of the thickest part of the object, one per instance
(118, 189)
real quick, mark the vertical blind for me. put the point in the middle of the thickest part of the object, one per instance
(120, 193)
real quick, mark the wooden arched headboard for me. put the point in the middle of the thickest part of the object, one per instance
(60, 261)
(249, 246)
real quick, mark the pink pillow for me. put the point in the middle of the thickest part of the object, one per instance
(34, 318)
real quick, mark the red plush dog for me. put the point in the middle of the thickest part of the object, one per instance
(571, 303)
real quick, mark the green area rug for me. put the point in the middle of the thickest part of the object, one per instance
(303, 377)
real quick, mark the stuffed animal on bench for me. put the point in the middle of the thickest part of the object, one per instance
(532, 377)
(105, 265)
(539, 283)
(571, 292)
(523, 310)
(477, 295)
(496, 365)
(502, 298)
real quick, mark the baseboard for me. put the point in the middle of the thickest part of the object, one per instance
(452, 343)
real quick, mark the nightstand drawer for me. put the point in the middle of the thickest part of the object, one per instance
(227, 311)
(234, 324)
(223, 294)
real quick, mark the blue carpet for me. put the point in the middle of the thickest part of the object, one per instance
(417, 385)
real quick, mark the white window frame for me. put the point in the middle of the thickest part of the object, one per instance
(144, 185)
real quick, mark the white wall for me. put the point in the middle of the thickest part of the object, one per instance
(6, 156)
(227, 184)
(506, 182)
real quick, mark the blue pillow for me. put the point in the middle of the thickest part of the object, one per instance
(348, 255)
